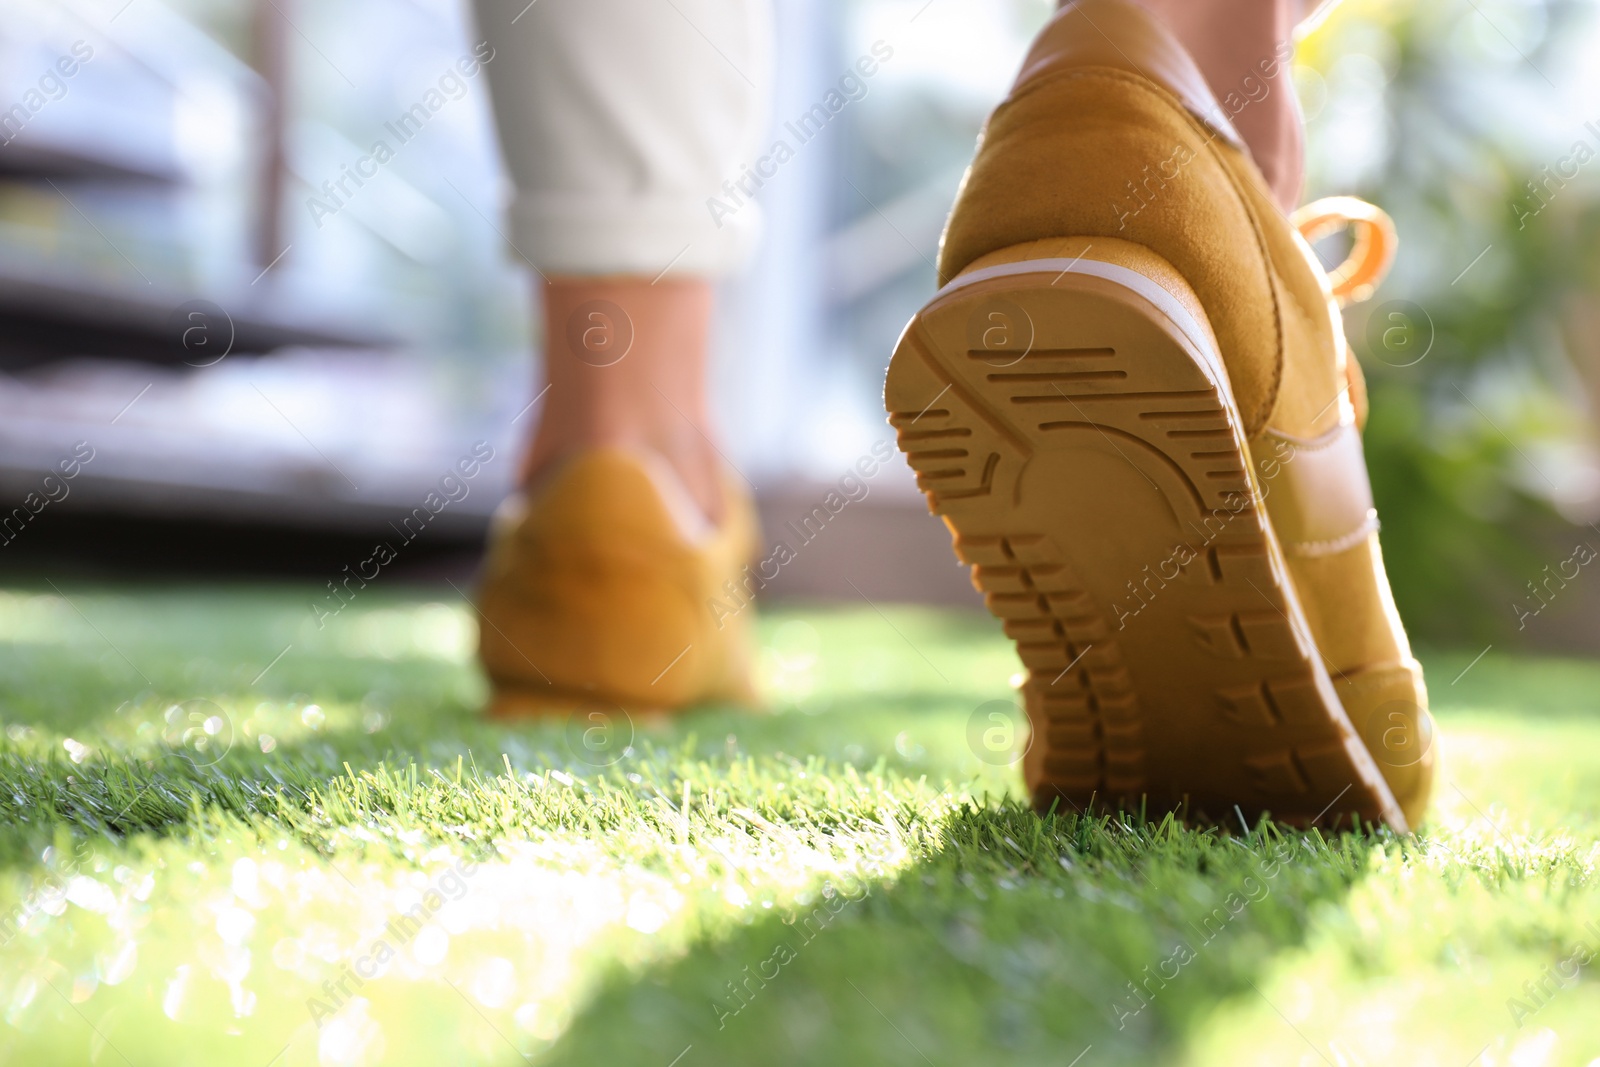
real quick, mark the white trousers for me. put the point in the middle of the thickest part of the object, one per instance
(619, 119)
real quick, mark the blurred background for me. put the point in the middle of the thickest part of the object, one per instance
(264, 387)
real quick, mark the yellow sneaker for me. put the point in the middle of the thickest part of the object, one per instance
(1132, 332)
(606, 588)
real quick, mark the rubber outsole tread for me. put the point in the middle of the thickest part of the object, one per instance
(1127, 552)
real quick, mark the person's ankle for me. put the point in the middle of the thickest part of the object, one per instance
(625, 359)
(1234, 42)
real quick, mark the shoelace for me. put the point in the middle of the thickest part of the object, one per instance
(1372, 249)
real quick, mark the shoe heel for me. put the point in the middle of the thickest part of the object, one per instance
(594, 593)
(1067, 413)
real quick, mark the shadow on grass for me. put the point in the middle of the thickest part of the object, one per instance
(1021, 939)
(132, 784)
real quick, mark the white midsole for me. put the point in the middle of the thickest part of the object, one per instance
(1164, 301)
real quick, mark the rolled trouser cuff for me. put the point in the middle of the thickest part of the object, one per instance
(587, 234)
(624, 127)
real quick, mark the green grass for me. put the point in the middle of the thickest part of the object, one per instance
(840, 882)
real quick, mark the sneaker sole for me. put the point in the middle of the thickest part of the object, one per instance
(1072, 423)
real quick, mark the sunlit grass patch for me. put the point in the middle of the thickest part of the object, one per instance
(229, 835)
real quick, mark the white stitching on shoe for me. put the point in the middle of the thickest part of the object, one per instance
(1335, 545)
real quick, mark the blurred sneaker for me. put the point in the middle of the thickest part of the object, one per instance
(604, 589)
(1131, 403)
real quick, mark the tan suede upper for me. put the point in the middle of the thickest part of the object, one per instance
(1105, 151)
(591, 590)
